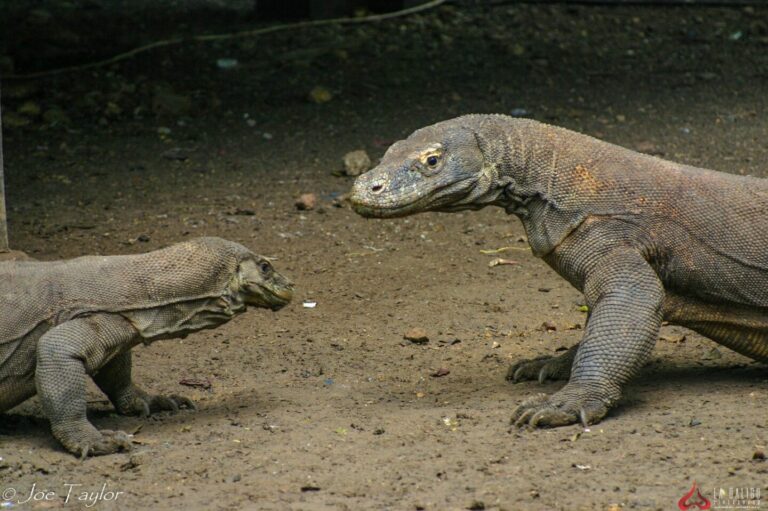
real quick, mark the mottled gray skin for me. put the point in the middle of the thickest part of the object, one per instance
(644, 239)
(61, 321)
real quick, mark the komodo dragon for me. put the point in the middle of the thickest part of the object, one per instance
(644, 239)
(63, 320)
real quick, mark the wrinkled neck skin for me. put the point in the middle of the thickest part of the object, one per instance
(520, 162)
(508, 178)
(180, 319)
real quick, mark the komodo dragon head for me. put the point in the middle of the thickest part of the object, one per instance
(437, 168)
(260, 285)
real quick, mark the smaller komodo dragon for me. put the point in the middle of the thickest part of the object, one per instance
(63, 320)
(643, 238)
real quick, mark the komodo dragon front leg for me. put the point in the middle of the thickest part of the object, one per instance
(114, 379)
(625, 296)
(80, 347)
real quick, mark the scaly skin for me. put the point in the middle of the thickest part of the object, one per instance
(643, 238)
(61, 321)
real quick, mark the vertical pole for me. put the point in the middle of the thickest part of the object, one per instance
(3, 218)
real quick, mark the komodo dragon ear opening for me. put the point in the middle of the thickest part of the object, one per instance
(482, 144)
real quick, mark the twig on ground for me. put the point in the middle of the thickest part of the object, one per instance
(234, 35)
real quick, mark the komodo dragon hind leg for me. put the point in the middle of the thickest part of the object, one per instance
(114, 379)
(543, 368)
(65, 355)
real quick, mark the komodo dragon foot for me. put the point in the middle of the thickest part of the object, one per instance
(573, 403)
(81, 438)
(109, 442)
(138, 402)
(543, 368)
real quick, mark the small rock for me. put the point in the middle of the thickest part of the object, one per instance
(714, 354)
(306, 201)
(227, 63)
(319, 95)
(176, 153)
(144, 238)
(443, 371)
(417, 335)
(548, 326)
(694, 422)
(759, 454)
(235, 478)
(356, 162)
(379, 431)
(477, 505)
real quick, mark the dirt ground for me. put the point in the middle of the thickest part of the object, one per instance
(329, 407)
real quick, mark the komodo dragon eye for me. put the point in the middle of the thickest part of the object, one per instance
(432, 160)
(265, 267)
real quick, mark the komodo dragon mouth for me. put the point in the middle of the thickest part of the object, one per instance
(447, 197)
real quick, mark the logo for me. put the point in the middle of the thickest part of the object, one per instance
(691, 501)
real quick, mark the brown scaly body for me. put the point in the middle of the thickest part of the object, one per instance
(643, 238)
(61, 321)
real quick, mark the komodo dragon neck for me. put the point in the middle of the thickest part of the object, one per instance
(528, 164)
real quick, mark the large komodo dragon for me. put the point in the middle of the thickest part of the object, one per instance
(63, 320)
(644, 239)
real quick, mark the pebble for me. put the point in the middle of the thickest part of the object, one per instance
(443, 371)
(759, 454)
(306, 201)
(548, 326)
(319, 95)
(417, 335)
(356, 162)
(227, 63)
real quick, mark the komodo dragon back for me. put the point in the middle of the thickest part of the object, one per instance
(54, 292)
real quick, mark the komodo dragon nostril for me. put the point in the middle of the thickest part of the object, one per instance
(377, 188)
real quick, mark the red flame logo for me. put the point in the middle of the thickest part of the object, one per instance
(689, 502)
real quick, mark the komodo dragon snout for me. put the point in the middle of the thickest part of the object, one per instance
(262, 286)
(432, 170)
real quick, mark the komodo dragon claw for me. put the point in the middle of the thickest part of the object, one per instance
(543, 368)
(109, 442)
(539, 368)
(145, 405)
(560, 409)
